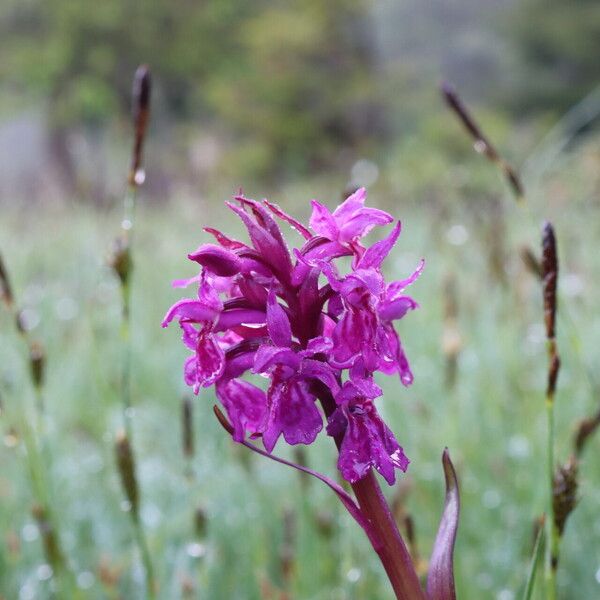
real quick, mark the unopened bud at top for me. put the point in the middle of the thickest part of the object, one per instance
(142, 86)
(549, 277)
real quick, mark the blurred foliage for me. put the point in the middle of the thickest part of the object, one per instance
(557, 47)
(296, 80)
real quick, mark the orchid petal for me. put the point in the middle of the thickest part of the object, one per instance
(272, 250)
(375, 255)
(368, 442)
(192, 310)
(303, 231)
(225, 241)
(218, 260)
(230, 318)
(322, 221)
(269, 356)
(183, 283)
(361, 222)
(278, 322)
(246, 406)
(396, 309)
(351, 204)
(397, 287)
(293, 413)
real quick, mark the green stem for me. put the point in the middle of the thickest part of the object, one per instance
(533, 566)
(551, 533)
(142, 544)
(127, 227)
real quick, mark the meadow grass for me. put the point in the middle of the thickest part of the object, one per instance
(492, 419)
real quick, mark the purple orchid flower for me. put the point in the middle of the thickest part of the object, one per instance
(367, 440)
(259, 311)
(317, 335)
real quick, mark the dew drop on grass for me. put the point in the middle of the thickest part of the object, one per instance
(196, 550)
(151, 516)
(85, 580)
(27, 592)
(29, 318)
(139, 177)
(44, 572)
(518, 447)
(30, 532)
(66, 309)
(353, 575)
(491, 499)
(457, 235)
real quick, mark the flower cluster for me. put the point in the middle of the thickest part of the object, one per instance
(315, 333)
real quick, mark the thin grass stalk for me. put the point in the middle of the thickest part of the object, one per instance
(533, 565)
(122, 264)
(481, 142)
(37, 451)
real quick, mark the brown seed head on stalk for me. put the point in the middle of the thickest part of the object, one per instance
(52, 550)
(119, 259)
(142, 86)
(200, 521)
(481, 143)
(549, 278)
(126, 467)
(325, 524)
(5, 287)
(585, 430)
(564, 493)
(553, 372)
(37, 361)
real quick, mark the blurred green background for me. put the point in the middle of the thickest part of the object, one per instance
(295, 101)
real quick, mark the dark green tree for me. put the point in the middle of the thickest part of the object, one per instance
(557, 45)
(293, 82)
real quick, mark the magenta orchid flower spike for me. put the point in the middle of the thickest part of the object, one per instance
(317, 333)
(260, 309)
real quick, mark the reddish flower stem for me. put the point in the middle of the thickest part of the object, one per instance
(392, 550)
